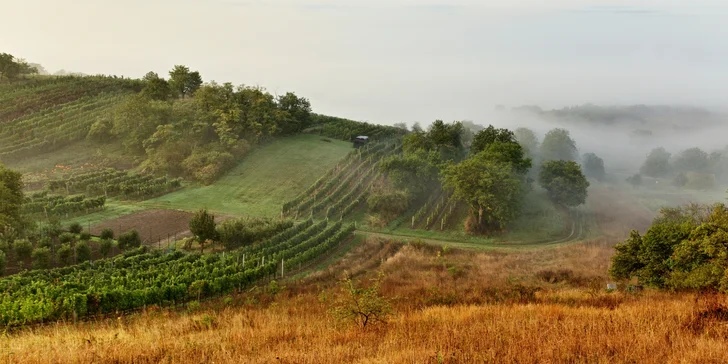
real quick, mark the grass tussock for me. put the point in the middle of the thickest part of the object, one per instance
(449, 307)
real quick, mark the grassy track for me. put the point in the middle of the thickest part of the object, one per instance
(271, 174)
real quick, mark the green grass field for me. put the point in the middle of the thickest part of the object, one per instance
(270, 175)
(540, 221)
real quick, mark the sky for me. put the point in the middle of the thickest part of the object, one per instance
(390, 61)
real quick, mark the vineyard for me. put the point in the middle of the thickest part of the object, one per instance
(437, 212)
(58, 205)
(344, 187)
(115, 183)
(345, 129)
(44, 115)
(138, 278)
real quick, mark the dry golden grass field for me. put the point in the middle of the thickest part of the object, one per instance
(544, 305)
(449, 307)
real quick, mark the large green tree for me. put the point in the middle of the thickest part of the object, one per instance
(558, 145)
(501, 145)
(202, 225)
(564, 182)
(491, 188)
(183, 82)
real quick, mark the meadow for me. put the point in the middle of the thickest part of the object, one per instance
(450, 306)
(269, 175)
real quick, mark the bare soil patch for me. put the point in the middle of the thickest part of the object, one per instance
(153, 225)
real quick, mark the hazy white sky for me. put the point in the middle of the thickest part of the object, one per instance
(397, 60)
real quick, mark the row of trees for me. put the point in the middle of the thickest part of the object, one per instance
(187, 128)
(692, 168)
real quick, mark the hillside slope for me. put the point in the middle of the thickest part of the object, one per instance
(46, 114)
(272, 173)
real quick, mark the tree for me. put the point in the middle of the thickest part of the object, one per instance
(23, 249)
(491, 188)
(202, 225)
(402, 126)
(564, 181)
(64, 254)
(362, 306)
(692, 160)
(528, 140)
(75, 228)
(684, 248)
(83, 252)
(156, 87)
(657, 164)
(296, 112)
(635, 180)
(105, 247)
(66, 238)
(558, 145)
(183, 82)
(84, 236)
(501, 146)
(11, 68)
(490, 135)
(593, 166)
(107, 234)
(129, 240)
(11, 199)
(41, 258)
(3, 262)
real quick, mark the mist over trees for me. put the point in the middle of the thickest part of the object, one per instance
(657, 164)
(565, 183)
(593, 166)
(558, 145)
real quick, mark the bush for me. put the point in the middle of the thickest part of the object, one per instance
(83, 252)
(45, 242)
(105, 247)
(3, 262)
(107, 234)
(85, 236)
(41, 258)
(5, 246)
(75, 228)
(64, 254)
(130, 240)
(66, 238)
(23, 249)
(362, 306)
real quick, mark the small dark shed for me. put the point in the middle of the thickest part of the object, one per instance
(360, 140)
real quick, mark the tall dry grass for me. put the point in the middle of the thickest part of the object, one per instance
(451, 307)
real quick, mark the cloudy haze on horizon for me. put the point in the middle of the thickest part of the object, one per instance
(397, 60)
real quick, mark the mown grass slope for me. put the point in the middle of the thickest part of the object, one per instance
(269, 175)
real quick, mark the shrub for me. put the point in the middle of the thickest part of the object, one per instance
(105, 247)
(64, 254)
(5, 246)
(362, 306)
(23, 249)
(85, 236)
(66, 238)
(3, 262)
(41, 258)
(107, 234)
(75, 228)
(45, 242)
(129, 240)
(83, 252)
